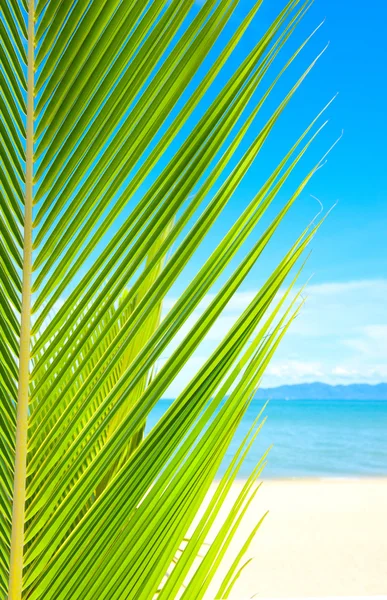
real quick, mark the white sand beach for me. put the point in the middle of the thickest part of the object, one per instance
(322, 538)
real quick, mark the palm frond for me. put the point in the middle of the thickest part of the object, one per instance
(118, 156)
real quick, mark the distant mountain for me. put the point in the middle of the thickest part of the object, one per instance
(323, 391)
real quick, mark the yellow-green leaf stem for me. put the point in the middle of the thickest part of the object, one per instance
(19, 492)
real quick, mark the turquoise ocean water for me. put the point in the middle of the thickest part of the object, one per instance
(314, 438)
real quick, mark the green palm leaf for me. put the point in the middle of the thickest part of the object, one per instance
(102, 206)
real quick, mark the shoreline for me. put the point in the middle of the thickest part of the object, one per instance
(315, 478)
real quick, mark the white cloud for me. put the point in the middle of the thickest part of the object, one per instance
(344, 372)
(292, 371)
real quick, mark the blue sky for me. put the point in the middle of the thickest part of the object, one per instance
(341, 335)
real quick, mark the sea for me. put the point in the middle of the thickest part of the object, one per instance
(312, 438)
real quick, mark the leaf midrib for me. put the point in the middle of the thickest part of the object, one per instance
(19, 489)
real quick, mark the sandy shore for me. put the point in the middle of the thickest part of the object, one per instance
(322, 538)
